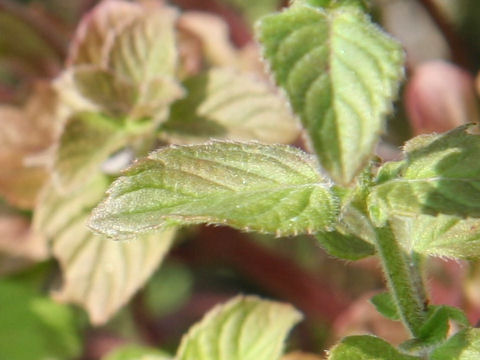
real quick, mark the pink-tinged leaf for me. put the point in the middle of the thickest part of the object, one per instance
(97, 30)
(99, 274)
(26, 135)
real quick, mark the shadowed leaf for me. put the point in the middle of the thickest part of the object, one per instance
(366, 347)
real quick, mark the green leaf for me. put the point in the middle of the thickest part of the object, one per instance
(223, 103)
(99, 274)
(341, 74)
(366, 348)
(145, 49)
(465, 345)
(385, 305)
(34, 327)
(441, 236)
(246, 328)
(441, 175)
(134, 352)
(345, 246)
(355, 235)
(436, 327)
(88, 140)
(270, 189)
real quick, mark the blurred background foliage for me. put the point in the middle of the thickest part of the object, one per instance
(210, 265)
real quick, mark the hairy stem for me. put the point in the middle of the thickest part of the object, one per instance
(404, 280)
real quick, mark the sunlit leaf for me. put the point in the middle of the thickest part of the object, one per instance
(34, 327)
(222, 103)
(465, 345)
(442, 235)
(439, 176)
(270, 189)
(436, 327)
(246, 328)
(366, 348)
(99, 274)
(340, 73)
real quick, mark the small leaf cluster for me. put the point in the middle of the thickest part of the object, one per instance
(341, 74)
(137, 76)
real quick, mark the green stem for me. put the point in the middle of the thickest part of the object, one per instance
(403, 277)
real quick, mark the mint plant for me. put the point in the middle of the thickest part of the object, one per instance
(341, 74)
(158, 108)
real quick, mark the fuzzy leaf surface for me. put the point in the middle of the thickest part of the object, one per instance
(341, 74)
(271, 189)
(99, 274)
(366, 347)
(441, 175)
(440, 236)
(465, 345)
(246, 328)
(223, 103)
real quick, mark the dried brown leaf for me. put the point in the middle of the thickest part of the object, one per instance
(25, 137)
